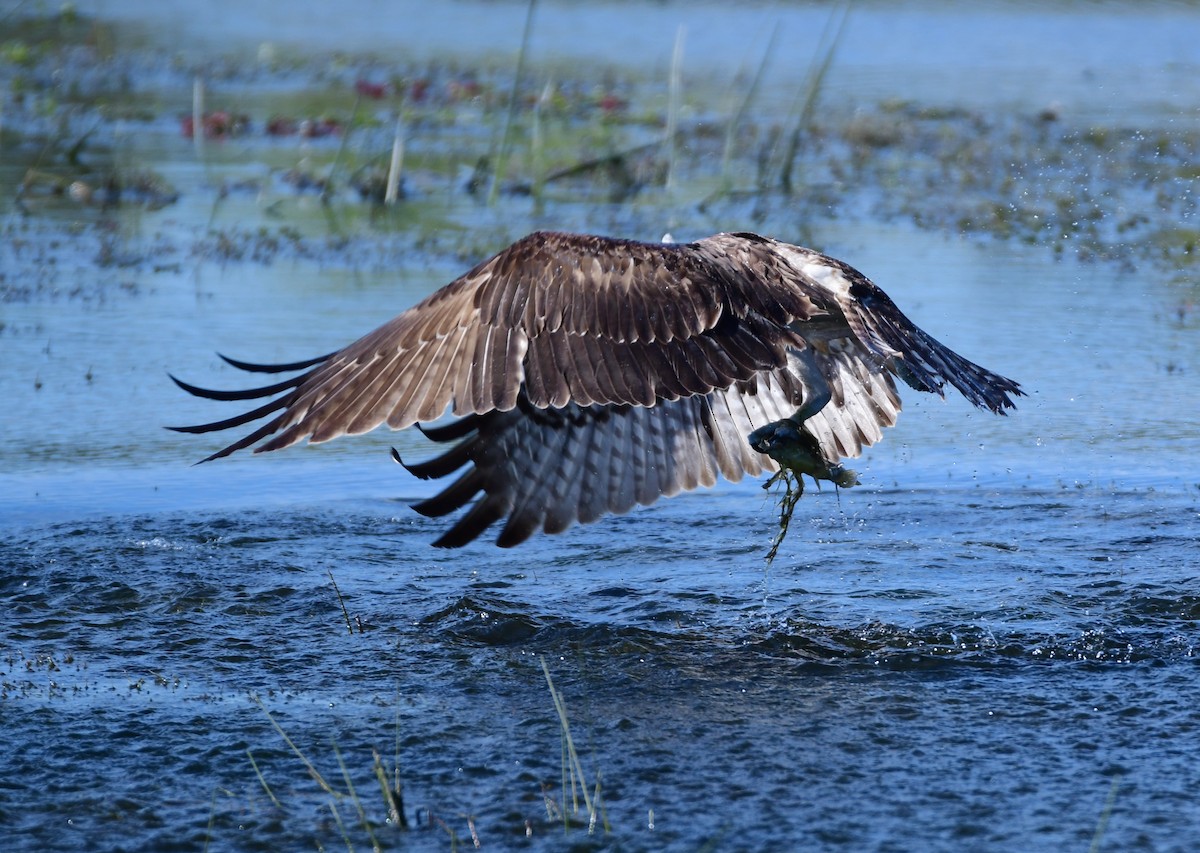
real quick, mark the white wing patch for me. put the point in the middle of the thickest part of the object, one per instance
(813, 267)
(830, 278)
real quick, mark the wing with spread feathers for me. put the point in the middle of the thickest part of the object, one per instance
(590, 374)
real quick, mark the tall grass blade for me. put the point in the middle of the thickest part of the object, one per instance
(312, 770)
(391, 193)
(572, 754)
(831, 37)
(337, 818)
(358, 806)
(674, 97)
(453, 835)
(212, 817)
(341, 601)
(744, 108)
(263, 781)
(510, 114)
(198, 117)
(337, 157)
(537, 147)
(566, 773)
(398, 791)
(1105, 814)
(392, 798)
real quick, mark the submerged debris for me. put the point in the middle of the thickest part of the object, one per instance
(142, 188)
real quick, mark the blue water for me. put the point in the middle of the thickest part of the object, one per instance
(989, 645)
(939, 667)
(1089, 61)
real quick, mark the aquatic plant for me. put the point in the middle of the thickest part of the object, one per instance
(573, 777)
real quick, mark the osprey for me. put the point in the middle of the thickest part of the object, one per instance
(589, 374)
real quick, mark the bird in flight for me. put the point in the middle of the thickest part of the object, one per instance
(588, 374)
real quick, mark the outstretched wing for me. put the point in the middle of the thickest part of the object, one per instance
(547, 469)
(592, 374)
(561, 318)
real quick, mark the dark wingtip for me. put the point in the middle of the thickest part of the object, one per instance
(252, 367)
(246, 394)
(456, 429)
(191, 430)
(516, 531)
(237, 420)
(468, 528)
(454, 497)
(286, 388)
(439, 466)
(1003, 401)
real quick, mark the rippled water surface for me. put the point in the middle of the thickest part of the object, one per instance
(987, 664)
(990, 645)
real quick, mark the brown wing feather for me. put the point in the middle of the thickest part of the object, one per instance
(589, 320)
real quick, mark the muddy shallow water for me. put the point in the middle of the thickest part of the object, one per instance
(989, 645)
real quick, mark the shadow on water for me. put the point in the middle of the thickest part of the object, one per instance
(988, 645)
